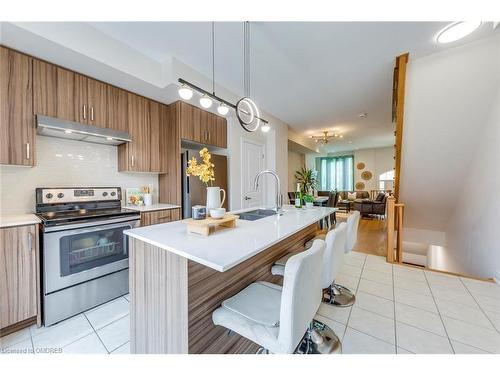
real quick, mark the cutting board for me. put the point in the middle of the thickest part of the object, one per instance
(208, 225)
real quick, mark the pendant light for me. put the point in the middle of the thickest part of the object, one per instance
(247, 111)
(222, 109)
(205, 101)
(185, 92)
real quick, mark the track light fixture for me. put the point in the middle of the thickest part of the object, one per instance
(247, 111)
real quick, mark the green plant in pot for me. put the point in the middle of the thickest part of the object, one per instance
(307, 179)
(309, 200)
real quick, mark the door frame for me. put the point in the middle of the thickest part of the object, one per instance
(244, 139)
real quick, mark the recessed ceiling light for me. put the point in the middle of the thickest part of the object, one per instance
(456, 31)
(68, 131)
(363, 115)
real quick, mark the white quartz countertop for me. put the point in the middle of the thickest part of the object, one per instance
(153, 207)
(227, 248)
(15, 220)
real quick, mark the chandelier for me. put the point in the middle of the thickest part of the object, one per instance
(325, 138)
(246, 110)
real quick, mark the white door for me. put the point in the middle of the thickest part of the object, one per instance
(252, 162)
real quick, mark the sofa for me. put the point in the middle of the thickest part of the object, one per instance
(342, 196)
(368, 207)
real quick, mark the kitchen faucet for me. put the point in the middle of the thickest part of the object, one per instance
(279, 197)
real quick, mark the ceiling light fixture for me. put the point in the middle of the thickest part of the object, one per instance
(185, 92)
(456, 31)
(325, 138)
(205, 101)
(222, 109)
(246, 110)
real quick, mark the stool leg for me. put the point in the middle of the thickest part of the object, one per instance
(319, 339)
(343, 297)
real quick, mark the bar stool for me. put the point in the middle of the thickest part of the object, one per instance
(280, 319)
(332, 261)
(343, 296)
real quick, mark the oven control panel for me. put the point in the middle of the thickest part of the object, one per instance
(68, 195)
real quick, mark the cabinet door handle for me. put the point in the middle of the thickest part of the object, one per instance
(133, 160)
(28, 150)
(91, 113)
(30, 241)
(84, 112)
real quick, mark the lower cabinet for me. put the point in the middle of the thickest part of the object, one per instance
(159, 217)
(18, 274)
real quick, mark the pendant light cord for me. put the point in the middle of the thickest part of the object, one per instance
(213, 57)
(246, 58)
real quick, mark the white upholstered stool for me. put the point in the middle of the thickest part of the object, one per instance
(277, 317)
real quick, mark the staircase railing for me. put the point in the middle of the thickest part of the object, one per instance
(395, 216)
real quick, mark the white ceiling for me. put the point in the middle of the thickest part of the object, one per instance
(314, 76)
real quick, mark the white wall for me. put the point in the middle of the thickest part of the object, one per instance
(377, 160)
(65, 163)
(451, 159)
(449, 96)
(295, 163)
(473, 237)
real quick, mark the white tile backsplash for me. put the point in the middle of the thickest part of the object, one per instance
(66, 163)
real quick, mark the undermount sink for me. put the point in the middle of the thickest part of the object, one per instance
(256, 214)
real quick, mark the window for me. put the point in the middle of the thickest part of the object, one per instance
(386, 180)
(335, 173)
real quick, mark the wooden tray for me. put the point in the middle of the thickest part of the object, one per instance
(205, 226)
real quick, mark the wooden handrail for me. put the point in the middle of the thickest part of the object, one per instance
(395, 215)
(399, 83)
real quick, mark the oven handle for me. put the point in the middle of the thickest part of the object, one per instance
(92, 225)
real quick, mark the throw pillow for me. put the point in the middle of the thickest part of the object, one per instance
(351, 196)
(380, 197)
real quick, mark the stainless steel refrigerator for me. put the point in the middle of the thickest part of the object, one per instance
(194, 192)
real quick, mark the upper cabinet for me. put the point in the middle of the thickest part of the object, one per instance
(117, 101)
(145, 119)
(66, 95)
(17, 132)
(201, 126)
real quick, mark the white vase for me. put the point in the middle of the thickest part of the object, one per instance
(309, 204)
(214, 199)
(148, 199)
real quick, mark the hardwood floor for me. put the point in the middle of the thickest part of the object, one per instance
(372, 235)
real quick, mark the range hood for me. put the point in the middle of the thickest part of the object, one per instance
(53, 127)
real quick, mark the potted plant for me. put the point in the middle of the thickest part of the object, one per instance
(307, 179)
(309, 200)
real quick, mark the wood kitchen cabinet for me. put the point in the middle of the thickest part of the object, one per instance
(117, 104)
(17, 126)
(67, 95)
(97, 103)
(160, 217)
(134, 156)
(18, 283)
(201, 126)
(54, 92)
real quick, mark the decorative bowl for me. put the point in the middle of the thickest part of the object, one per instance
(217, 213)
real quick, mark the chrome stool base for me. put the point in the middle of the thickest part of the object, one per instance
(338, 295)
(319, 339)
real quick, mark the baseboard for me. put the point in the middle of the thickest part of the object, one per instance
(17, 326)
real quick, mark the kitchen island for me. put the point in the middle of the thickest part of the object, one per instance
(178, 279)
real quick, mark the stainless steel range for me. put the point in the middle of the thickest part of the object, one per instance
(84, 251)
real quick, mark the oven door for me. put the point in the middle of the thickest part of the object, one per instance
(74, 256)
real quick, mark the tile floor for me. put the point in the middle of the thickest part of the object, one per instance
(398, 310)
